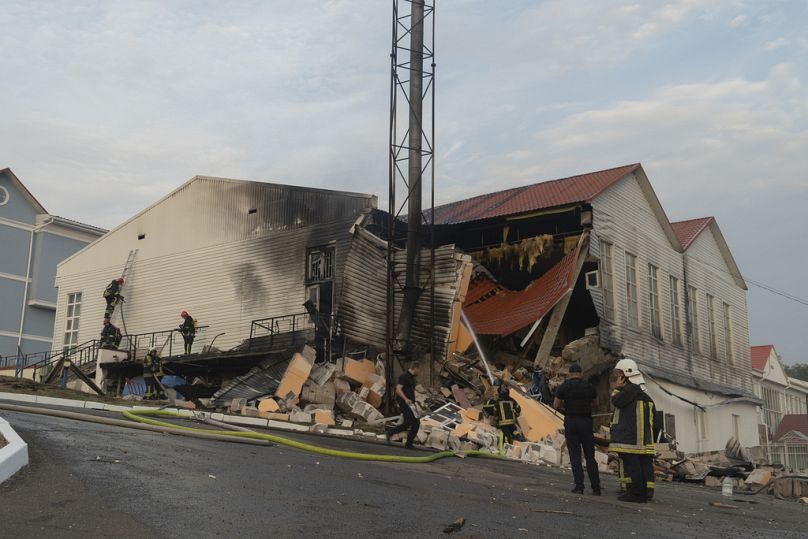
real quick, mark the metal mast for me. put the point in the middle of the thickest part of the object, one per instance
(412, 91)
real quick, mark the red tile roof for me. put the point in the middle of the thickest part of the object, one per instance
(797, 422)
(548, 194)
(688, 231)
(509, 311)
(760, 355)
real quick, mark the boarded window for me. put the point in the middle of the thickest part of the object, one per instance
(653, 301)
(607, 272)
(632, 305)
(676, 311)
(693, 315)
(670, 425)
(728, 334)
(711, 337)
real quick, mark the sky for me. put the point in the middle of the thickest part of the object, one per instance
(108, 105)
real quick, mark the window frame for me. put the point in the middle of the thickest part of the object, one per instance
(676, 310)
(325, 256)
(607, 276)
(693, 314)
(729, 349)
(632, 292)
(712, 338)
(654, 307)
(70, 336)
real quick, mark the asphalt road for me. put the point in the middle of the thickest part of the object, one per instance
(98, 481)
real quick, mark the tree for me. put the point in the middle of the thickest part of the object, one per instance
(798, 371)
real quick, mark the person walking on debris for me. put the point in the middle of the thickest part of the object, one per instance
(110, 335)
(575, 399)
(152, 369)
(405, 398)
(112, 295)
(632, 430)
(188, 331)
(505, 410)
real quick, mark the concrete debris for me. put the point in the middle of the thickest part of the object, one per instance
(296, 374)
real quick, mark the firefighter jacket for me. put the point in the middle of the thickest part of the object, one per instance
(109, 333)
(152, 365)
(188, 327)
(505, 410)
(111, 289)
(632, 428)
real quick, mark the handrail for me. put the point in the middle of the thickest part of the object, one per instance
(291, 323)
(157, 339)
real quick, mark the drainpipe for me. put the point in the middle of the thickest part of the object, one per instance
(28, 278)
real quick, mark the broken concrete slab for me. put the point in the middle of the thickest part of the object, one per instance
(268, 405)
(296, 373)
(323, 373)
(297, 415)
(313, 393)
(536, 420)
(438, 439)
(759, 477)
(277, 416)
(357, 371)
(236, 405)
(324, 417)
(249, 411)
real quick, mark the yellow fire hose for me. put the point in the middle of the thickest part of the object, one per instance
(138, 415)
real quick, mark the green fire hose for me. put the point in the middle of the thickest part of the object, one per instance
(140, 416)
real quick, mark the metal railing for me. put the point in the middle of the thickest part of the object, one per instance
(80, 355)
(791, 455)
(166, 341)
(323, 326)
(26, 359)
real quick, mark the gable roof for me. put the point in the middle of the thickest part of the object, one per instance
(760, 356)
(687, 231)
(792, 422)
(538, 196)
(24, 190)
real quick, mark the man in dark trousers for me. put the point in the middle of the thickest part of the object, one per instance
(112, 295)
(632, 430)
(505, 410)
(575, 398)
(152, 370)
(188, 331)
(405, 398)
(110, 335)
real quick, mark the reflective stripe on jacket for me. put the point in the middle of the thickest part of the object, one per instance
(632, 428)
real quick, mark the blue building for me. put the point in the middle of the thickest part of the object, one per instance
(32, 243)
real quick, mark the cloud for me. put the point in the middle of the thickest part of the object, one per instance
(775, 44)
(738, 21)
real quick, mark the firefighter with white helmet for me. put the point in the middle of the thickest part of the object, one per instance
(152, 368)
(632, 431)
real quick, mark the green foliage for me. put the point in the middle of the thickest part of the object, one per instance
(798, 371)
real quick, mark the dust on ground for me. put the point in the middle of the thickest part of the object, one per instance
(9, 384)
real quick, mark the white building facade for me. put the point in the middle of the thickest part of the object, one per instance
(780, 394)
(227, 251)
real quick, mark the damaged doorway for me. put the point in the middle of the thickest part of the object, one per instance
(320, 294)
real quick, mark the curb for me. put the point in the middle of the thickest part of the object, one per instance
(13, 456)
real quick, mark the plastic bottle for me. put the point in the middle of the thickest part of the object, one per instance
(726, 487)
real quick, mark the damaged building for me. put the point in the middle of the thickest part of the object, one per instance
(589, 268)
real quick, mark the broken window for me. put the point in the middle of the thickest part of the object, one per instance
(676, 311)
(772, 409)
(711, 338)
(670, 425)
(653, 301)
(736, 426)
(728, 334)
(632, 307)
(607, 272)
(693, 315)
(72, 320)
(319, 264)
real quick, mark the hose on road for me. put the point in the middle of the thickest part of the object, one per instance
(138, 415)
(141, 422)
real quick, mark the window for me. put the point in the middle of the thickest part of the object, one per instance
(676, 311)
(632, 306)
(653, 301)
(670, 425)
(736, 426)
(72, 320)
(693, 315)
(701, 424)
(320, 264)
(607, 271)
(711, 327)
(772, 410)
(728, 334)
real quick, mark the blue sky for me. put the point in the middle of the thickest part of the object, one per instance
(108, 105)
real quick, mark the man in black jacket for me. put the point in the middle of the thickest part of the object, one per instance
(405, 398)
(575, 398)
(110, 335)
(632, 430)
(188, 331)
(112, 295)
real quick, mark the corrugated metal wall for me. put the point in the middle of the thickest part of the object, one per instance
(205, 253)
(363, 304)
(641, 235)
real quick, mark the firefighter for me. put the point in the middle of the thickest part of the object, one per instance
(152, 370)
(188, 331)
(575, 397)
(110, 335)
(112, 295)
(632, 431)
(505, 410)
